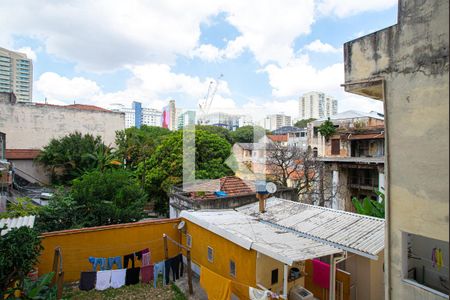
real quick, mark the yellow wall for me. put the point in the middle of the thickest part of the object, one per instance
(224, 250)
(106, 241)
(264, 268)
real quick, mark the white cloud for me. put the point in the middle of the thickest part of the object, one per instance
(345, 8)
(268, 28)
(318, 46)
(31, 54)
(207, 52)
(210, 53)
(99, 35)
(59, 89)
(299, 76)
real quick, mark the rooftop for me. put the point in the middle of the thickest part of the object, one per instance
(16, 223)
(278, 138)
(355, 233)
(77, 106)
(231, 185)
(22, 153)
(249, 233)
(351, 114)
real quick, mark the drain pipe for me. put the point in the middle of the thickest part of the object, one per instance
(334, 260)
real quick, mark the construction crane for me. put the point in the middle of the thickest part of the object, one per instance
(205, 105)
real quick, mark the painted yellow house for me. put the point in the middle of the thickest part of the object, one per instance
(253, 250)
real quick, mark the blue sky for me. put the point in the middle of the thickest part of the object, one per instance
(269, 52)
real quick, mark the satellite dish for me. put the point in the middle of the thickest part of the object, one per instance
(181, 225)
(271, 187)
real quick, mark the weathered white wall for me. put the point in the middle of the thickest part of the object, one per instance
(412, 58)
(32, 127)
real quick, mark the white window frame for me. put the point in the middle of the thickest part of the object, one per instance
(210, 251)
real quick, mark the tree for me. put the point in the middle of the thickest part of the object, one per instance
(96, 198)
(300, 169)
(327, 129)
(165, 166)
(303, 123)
(71, 156)
(134, 145)
(19, 252)
(23, 207)
(246, 134)
(370, 207)
(220, 131)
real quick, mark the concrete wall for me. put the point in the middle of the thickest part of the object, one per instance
(407, 66)
(106, 241)
(264, 267)
(224, 251)
(30, 126)
(30, 171)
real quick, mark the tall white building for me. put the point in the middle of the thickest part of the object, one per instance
(138, 115)
(275, 121)
(16, 74)
(317, 105)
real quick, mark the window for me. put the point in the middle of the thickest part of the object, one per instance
(210, 254)
(335, 146)
(274, 279)
(189, 240)
(232, 268)
(425, 263)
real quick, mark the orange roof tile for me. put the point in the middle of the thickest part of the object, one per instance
(22, 153)
(278, 138)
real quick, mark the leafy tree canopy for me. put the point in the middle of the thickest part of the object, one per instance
(303, 123)
(19, 252)
(327, 128)
(220, 131)
(96, 198)
(245, 134)
(136, 144)
(71, 156)
(166, 164)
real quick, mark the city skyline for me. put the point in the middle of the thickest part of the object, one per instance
(261, 68)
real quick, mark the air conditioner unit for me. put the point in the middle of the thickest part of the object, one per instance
(300, 293)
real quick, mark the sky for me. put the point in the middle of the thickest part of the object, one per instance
(262, 55)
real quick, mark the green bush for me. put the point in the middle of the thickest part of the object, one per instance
(19, 252)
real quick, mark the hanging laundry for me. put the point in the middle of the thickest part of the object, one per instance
(103, 280)
(87, 281)
(176, 265)
(98, 261)
(159, 268)
(433, 257)
(127, 258)
(167, 264)
(118, 278)
(132, 276)
(146, 259)
(117, 260)
(439, 259)
(215, 286)
(257, 294)
(147, 273)
(321, 273)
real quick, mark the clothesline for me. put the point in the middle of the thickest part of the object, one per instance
(175, 242)
(91, 249)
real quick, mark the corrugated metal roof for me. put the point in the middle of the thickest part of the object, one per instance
(16, 223)
(351, 232)
(247, 232)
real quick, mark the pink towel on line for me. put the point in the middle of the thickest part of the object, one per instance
(321, 273)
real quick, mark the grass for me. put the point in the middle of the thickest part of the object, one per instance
(138, 291)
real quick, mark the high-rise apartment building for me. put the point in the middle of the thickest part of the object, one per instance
(185, 119)
(16, 74)
(317, 105)
(138, 115)
(169, 116)
(229, 121)
(275, 121)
